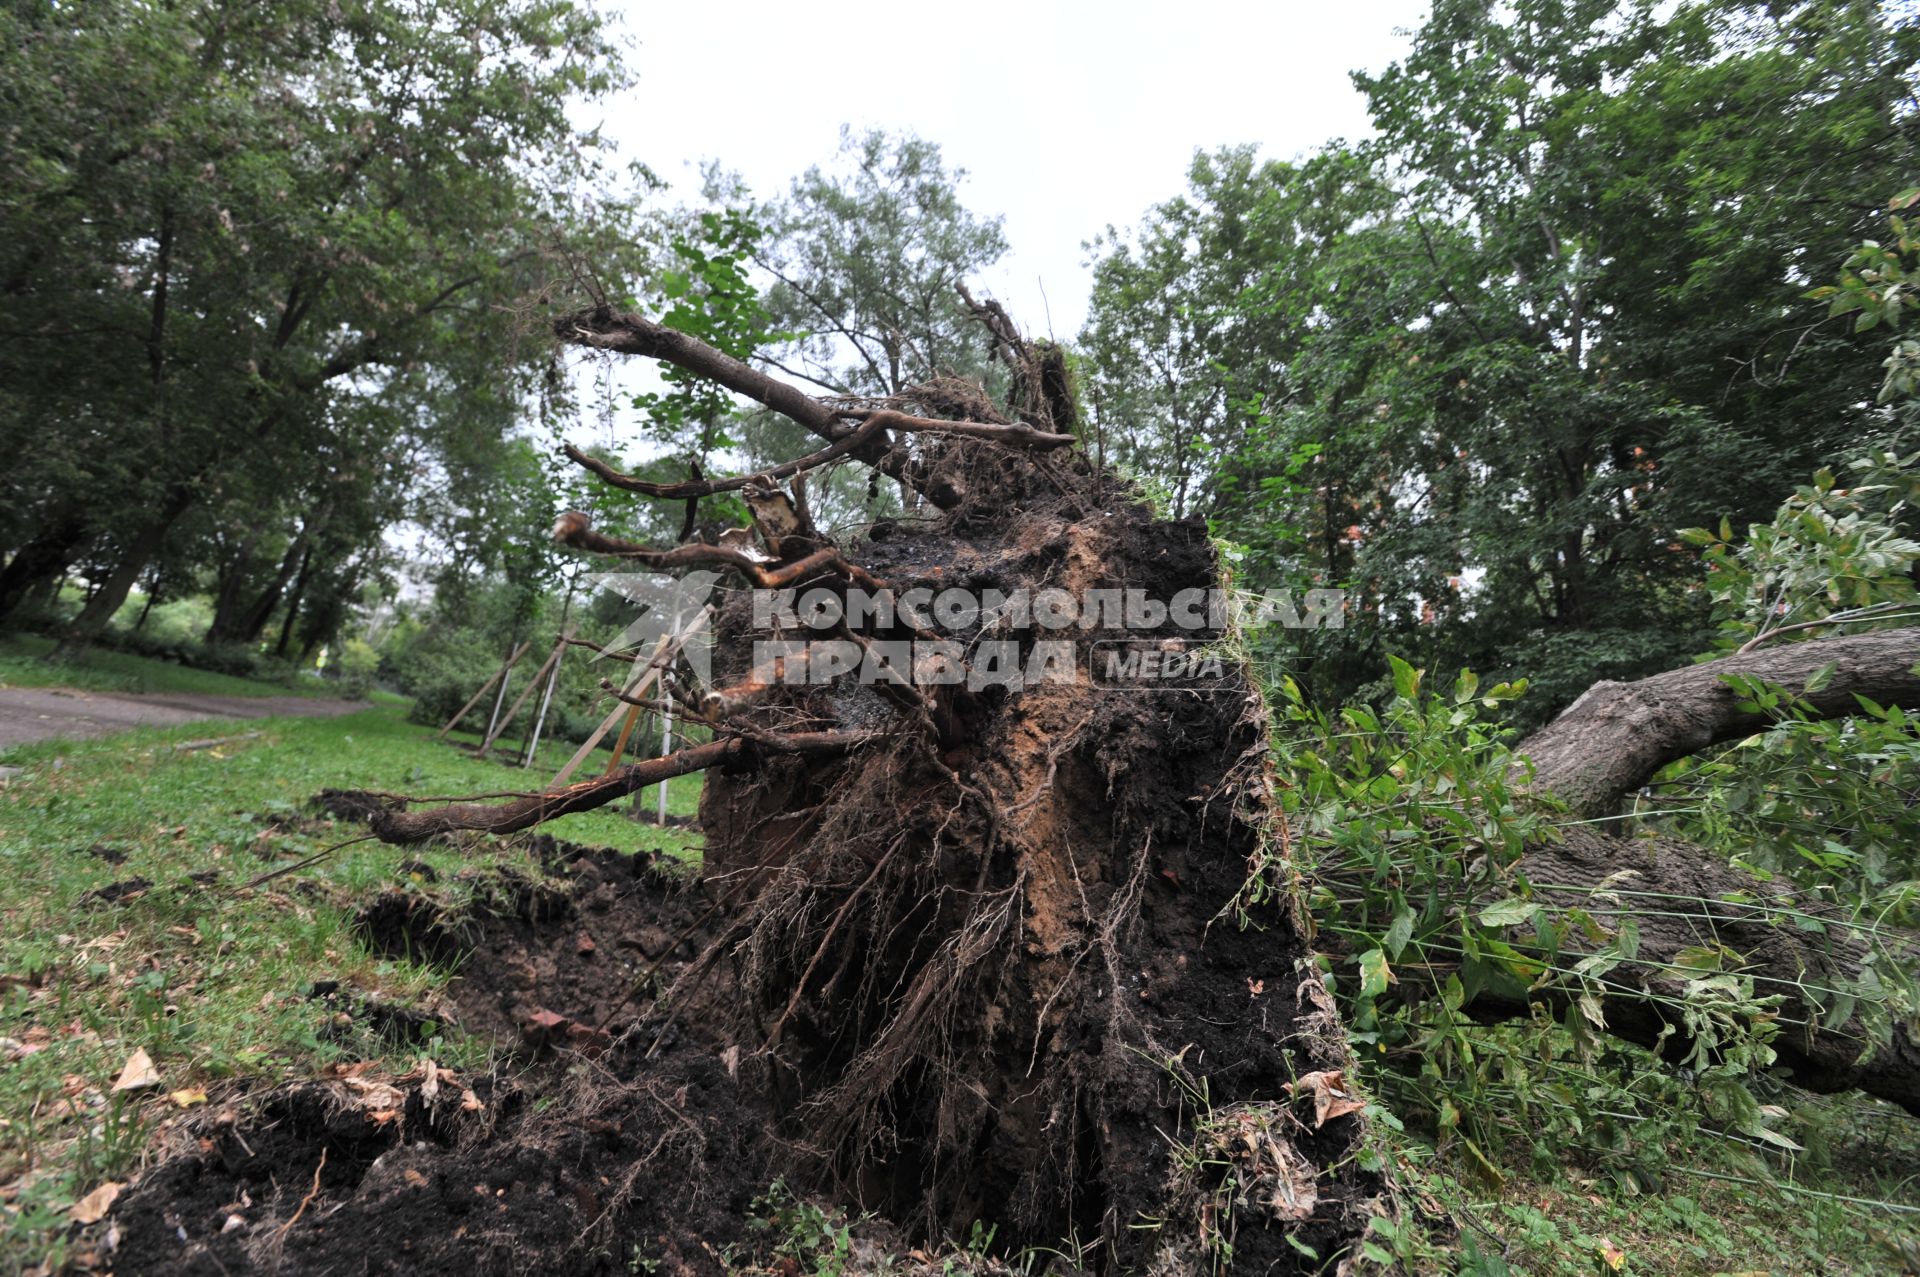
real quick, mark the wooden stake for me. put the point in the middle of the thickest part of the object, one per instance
(521, 699)
(643, 677)
(512, 659)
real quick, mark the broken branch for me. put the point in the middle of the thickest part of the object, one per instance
(507, 818)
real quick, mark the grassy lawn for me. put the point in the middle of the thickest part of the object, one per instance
(100, 670)
(210, 980)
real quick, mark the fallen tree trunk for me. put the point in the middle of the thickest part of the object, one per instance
(1697, 917)
(1618, 735)
(1837, 1030)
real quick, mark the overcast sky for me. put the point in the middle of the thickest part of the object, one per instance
(1067, 117)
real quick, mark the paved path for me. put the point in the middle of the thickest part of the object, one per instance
(30, 714)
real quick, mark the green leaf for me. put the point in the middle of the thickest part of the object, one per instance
(1406, 679)
(1375, 975)
(1398, 933)
(1509, 912)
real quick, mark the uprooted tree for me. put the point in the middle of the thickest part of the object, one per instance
(981, 946)
(971, 931)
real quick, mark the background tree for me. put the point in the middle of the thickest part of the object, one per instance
(232, 224)
(1550, 316)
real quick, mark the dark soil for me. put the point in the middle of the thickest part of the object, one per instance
(578, 1162)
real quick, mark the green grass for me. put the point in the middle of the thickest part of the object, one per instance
(211, 982)
(1844, 1208)
(22, 664)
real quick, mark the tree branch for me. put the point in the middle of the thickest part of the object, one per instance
(684, 490)
(574, 529)
(507, 818)
(601, 329)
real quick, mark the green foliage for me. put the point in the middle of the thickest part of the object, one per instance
(819, 1240)
(1408, 826)
(865, 255)
(23, 664)
(1480, 369)
(1835, 558)
(710, 297)
(264, 272)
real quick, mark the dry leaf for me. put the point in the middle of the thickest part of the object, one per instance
(94, 1206)
(188, 1097)
(1331, 1098)
(138, 1073)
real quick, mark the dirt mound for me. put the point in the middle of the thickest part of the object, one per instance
(349, 804)
(591, 951)
(647, 1147)
(475, 1180)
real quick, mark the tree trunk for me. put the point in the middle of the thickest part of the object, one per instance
(1788, 944)
(1835, 1030)
(254, 619)
(224, 628)
(294, 601)
(85, 628)
(1618, 735)
(42, 560)
(146, 609)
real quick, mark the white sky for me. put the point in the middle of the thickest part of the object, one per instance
(1067, 117)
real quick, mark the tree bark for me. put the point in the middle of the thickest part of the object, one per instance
(1618, 735)
(226, 604)
(43, 559)
(1787, 943)
(293, 603)
(254, 620)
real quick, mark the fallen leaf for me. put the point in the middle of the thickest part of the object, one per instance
(138, 1073)
(1331, 1097)
(187, 1097)
(94, 1206)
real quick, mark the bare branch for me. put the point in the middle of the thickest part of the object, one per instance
(1016, 436)
(507, 818)
(574, 529)
(687, 489)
